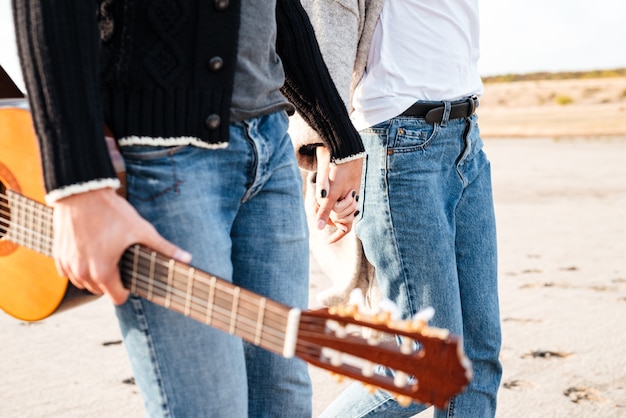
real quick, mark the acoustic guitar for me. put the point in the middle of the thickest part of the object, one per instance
(429, 366)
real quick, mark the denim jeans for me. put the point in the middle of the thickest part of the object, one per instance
(428, 227)
(239, 211)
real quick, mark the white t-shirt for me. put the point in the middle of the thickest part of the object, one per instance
(421, 50)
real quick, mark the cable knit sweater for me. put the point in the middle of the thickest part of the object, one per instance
(126, 64)
(344, 29)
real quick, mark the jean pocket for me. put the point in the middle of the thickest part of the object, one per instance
(413, 138)
(149, 152)
(151, 171)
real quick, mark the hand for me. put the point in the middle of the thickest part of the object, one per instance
(91, 232)
(337, 186)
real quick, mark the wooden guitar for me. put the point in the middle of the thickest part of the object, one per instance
(429, 366)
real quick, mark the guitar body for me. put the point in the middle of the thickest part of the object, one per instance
(30, 288)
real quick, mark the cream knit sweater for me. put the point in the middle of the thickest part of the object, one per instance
(344, 30)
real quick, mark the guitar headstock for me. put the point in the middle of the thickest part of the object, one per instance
(428, 365)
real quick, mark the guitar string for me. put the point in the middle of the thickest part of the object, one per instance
(38, 239)
(200, 277)
(221, 307)
(221, 319)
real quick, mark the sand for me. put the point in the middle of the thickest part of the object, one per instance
(560, 204)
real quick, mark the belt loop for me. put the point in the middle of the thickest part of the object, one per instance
(446, 113)
(472, 105)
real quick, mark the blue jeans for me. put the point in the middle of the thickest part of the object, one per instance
(239, 211)
(428, 227)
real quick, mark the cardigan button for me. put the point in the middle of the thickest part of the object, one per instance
(222, 5)
(216, 64)
(213, 121)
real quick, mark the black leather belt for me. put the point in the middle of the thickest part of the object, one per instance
(433, 111)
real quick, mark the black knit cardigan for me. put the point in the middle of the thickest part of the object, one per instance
(85, 67)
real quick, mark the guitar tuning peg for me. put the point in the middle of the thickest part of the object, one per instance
(400, 379)
(391, 308)
(342, 310)
(368, 369)
(356, 298)
(425, 315)
(382, 317)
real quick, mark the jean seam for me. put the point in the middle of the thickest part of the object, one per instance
(143, 322)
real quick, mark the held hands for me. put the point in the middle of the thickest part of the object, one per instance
(91, 232)
(336, 193)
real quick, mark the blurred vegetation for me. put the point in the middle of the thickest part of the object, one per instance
(567, 75)
(563, 100)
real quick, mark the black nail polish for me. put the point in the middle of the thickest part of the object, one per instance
(356, 198)
(356, 213)
(323, 193)
(353, 193)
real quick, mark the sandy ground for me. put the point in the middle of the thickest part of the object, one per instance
(561, 206)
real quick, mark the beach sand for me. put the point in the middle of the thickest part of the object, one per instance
(561, 212)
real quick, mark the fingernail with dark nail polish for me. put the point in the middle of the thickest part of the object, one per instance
(323, 193)
(356, 213)
(353, 193)
(356, 198)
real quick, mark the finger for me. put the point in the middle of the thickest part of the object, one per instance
(156, 242)
(115, 289)
(345, 208)
(339, 233)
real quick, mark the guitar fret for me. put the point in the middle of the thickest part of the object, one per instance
(29, 227)
(259, 322)
(31, 222)
(210, 300)
(170, 267)
(40, 229)
(168, 292)
(151, 276)
(28, 221)
(233, 311)
(190, 278)
(133, 282)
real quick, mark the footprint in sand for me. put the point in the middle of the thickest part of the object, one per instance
(518, 384)
(547, 354)
(523, 320)
(129, 381)
(579, 393)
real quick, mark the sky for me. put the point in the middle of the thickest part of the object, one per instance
(516, 36)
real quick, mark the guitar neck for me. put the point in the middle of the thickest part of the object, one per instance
(173, 285)
(210, 300)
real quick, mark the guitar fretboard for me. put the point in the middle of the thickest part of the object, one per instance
(26, 222)
(159, 279)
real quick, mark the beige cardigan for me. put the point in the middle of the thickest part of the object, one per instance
(344, 30)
